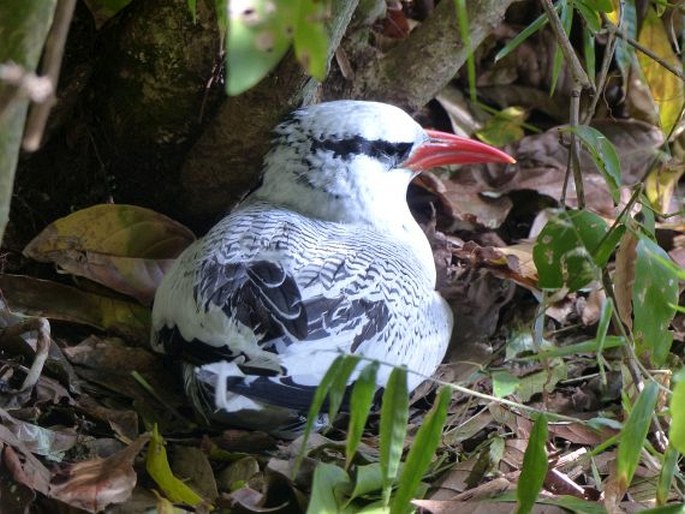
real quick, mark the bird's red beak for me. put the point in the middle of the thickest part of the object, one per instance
(443, 149)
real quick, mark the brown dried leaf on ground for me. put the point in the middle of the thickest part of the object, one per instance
(124, 247)
(35, 297)
(542, 161)
(93, 484)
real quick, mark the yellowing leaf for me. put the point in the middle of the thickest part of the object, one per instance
(504, 127)
(124, 247)
(666, 88)
(661, 183)
(158, 468)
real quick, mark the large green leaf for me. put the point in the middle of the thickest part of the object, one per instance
(261, 31)
(563, 252)
(654, 293)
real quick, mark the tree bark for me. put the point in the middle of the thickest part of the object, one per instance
(414, 71)
(225, 162)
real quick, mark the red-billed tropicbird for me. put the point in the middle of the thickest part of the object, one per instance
(323, 257)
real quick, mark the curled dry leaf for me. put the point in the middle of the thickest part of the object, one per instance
(93, 484)
(124, 247)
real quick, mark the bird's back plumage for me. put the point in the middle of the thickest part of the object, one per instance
(279, 295)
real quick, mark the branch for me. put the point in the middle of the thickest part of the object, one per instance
(413, 72)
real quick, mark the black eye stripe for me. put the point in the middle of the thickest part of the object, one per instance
(393, 153)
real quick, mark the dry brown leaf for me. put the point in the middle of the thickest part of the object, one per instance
(624, 277)
(93, 484)
(542, 161)
(35, 297)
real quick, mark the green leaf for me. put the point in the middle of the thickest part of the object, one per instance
(625, 53)
(534, 467)
(259, 35)
(599, 5)
(369, 479)
(677, 429)
(531, 29)
(505, 127)
(361, 401)
(504, 383)
(590, 15)
(393, 429)
(328, 481)
(192, 7)
(421, 453)
(310, 38)
(654, 292)
(669, 466)
(157, 466)
(603, 154)
(633, 434)
(337, 367)
(339, 385)
(564, 248)
(589, 54)
(608, 245)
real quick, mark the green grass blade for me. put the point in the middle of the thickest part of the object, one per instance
(338, 388)
(463, 21)
(421, 452)
(531, 29)
(393, 430)
(317, 402)
(534, 467)
(666, 475)
(633, 435)
(676, 433)
(360, 406)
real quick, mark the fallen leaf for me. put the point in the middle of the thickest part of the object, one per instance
(124, 247)
(93, 484)
(36, 297)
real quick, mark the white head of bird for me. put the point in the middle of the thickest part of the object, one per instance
(351, 162)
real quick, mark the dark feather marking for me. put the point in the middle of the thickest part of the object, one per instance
(262, 296)
(392, 153)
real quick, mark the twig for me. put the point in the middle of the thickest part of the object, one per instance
(52, 61)
(42, 326)
(577, 71)
(23, 83)
(602, 76)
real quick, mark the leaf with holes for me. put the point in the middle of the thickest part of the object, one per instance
(310, 38)
(259, 35)
(564, 249)
(655, 291)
